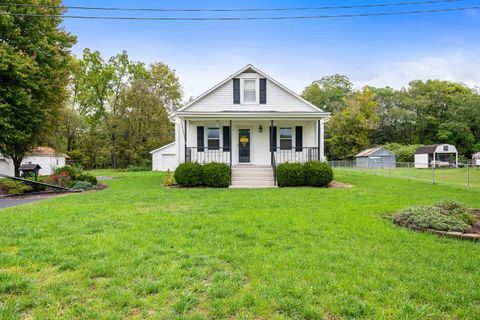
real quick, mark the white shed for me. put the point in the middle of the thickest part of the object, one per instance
(6, 166)
(48, 159)
(476, 159)
(438, 155)
(165, 158)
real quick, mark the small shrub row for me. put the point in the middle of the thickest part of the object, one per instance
(312, 173)
(11, 187)
(69, 176)
(443, 216)
(193, 174)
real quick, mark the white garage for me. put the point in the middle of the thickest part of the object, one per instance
(6, 166)
(165, 158)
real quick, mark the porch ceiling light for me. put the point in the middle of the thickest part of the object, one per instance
(260, 129)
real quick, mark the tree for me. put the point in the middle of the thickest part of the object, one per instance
(329, 92)
(349, 129)
(34, 69)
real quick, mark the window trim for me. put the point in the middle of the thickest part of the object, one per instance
(242, 94)
(280, 138)
(208, 138)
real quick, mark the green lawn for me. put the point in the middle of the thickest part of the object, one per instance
(455, 177)
(137, 250)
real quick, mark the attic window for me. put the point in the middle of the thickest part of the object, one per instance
(249, 91)
(445, 148)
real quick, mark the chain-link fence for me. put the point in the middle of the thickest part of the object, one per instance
(463, 175)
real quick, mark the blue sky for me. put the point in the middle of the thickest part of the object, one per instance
(377, 51)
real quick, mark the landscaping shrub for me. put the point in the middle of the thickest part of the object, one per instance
(443, 216)
(290, 175)
(216, 175)
(169, 180)
(8, 186)
(317, 174)
(189, 174)
(61, 179)
(70, 170)
(82, 185)
(86, 177)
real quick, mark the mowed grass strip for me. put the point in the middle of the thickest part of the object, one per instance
(137, 250)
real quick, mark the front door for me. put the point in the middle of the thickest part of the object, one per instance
(244, 145)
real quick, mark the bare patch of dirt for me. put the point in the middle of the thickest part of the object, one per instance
(339, 185)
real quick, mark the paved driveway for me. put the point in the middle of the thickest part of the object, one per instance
(10, 202)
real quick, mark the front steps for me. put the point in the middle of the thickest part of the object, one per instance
(252, 177)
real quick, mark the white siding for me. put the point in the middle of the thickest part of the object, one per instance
(278, 99)
(48, 163)
(450, 149)
(165, 158)
(6, 167)
(421, 160)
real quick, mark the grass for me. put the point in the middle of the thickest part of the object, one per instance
(137, 250)
(455, 177)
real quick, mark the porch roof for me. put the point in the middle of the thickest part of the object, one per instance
(263, 115)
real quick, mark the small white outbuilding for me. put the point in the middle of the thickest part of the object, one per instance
(438, 155)
(165, 158)
(476, 159)
(47, 158)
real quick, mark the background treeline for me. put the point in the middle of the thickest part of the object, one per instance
(118, 110)
(425, 112)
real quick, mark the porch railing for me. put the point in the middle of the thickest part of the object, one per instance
(296, 155)
(207, 155)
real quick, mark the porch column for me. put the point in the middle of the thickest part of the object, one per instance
(318, 139)
(322, 140)
(270, 143)
(231, 150)
(185, 139)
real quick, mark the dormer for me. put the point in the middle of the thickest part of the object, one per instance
(249, 88)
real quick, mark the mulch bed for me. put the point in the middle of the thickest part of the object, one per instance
(473, 234)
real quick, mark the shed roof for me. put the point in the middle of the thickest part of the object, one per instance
(366, 153)
(46, 151)
(429, 149)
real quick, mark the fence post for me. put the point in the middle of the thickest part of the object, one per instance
(433, 173)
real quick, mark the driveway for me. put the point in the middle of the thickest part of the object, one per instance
(16, 201)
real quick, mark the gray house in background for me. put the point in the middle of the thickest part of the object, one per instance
(376, 158)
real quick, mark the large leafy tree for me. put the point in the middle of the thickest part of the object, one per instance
(34, 70)
(329, 92)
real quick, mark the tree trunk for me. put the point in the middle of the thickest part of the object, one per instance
(17, 161)
(113, 154)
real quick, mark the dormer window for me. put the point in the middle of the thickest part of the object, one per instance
(249, 90)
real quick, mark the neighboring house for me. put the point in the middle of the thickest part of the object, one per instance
(438, 155)
(376, 158)
(46, 157)
(476, 159)
(248, 120)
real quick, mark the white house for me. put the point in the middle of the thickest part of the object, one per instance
(46, 157)
(250, 122)
(439, 155)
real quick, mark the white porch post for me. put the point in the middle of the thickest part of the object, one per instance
(322, 141)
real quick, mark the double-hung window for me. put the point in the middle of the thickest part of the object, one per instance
(249, 91)
(285, 138)
(213, 137)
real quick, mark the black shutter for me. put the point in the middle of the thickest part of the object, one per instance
(263, 91)
(273, 139)
(200, 138)
(226, 139)
(236, 91)
(298, 139)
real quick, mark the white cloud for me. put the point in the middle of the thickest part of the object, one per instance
(459, 66)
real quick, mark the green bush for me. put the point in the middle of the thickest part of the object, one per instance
(189, 174)
(169, 180)
(82, 185)
(13, 187)
(443, 216)
(216, 175)
(403, 153)
(317, 174)
(290, 175)
(70, 170)
(86, 177)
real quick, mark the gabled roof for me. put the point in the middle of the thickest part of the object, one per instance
(248, 68)
(366, 153)
(163, 147)
(46, 151)
(476, 155)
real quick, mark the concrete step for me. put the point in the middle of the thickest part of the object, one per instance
(252, 184)
(252, 179)
(252, 175)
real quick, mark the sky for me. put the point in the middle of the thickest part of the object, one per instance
(377, 51)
